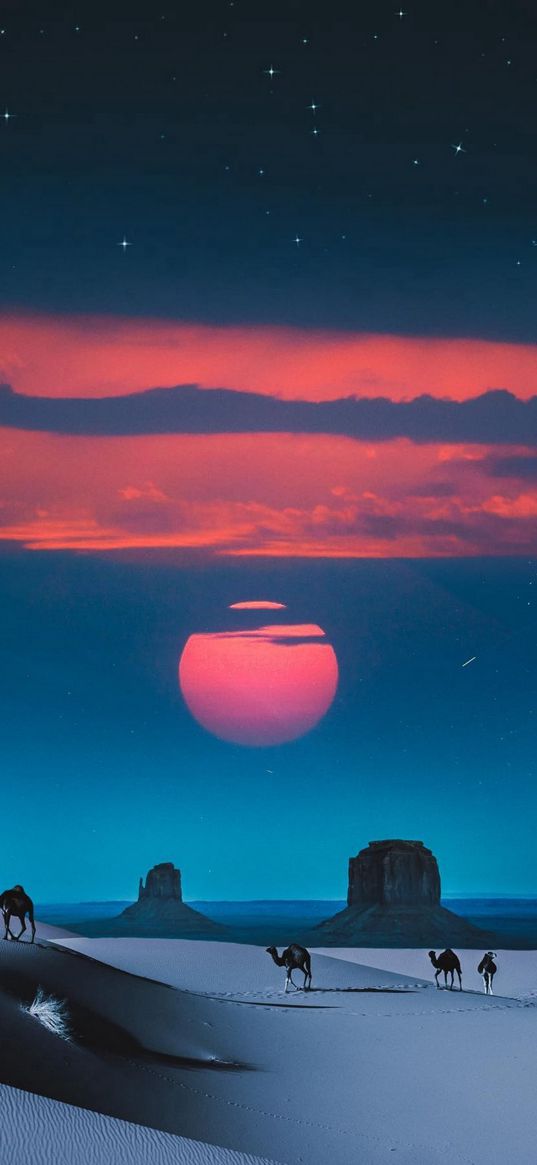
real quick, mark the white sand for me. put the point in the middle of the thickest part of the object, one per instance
(342, 1074)
(516, 975)
(39, 1131)
(229, 970)
(47, 933)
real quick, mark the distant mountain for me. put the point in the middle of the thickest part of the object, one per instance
(160, 911)
(394, 901)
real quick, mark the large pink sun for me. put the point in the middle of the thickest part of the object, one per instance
(259, 686)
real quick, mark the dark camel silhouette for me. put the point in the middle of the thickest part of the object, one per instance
(487, 968)
(445, 962)
(293, 958)
(15, 903)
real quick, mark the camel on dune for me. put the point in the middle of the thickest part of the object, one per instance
(487, 968)
(445, 962)
(15, 903)
(293, 958)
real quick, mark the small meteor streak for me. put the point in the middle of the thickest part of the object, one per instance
(471, 660)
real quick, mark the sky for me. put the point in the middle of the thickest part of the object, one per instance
(267, 285)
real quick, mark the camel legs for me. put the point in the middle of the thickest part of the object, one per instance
(7, 920)
(436, 974)
(7, 914)
(22, 929)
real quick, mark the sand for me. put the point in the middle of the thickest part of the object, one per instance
(39, 1131)
(197, 1040)
(516, 975)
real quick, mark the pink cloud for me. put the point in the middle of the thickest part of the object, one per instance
(104, 355)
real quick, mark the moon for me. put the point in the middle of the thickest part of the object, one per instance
(262, 683)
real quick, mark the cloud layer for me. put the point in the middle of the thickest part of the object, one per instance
(283, 495)
(494, 417)
(319, 444)
(89, 356)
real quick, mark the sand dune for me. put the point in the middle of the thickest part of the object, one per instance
(39, 1131)
(516, 975)
(232, 970)
(372, 1062)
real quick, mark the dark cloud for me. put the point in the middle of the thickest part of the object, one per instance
(512, 466)
(495, 417)
(437, 489)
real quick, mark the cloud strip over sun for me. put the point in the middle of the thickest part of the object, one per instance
(436, 456)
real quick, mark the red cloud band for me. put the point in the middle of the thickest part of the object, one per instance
(108, 356)
(278, 495)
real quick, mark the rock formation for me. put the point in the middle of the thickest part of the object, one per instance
(162, 881)
(394, 873)
(160, 911)
(394, 901)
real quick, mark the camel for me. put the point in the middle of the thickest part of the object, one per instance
(15, 903)
(445, 962)
(293, 957)
(487, 968)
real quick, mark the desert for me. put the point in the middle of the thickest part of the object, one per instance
(193, 1048)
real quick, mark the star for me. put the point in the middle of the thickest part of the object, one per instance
(459, 149)
(124, 243)
(315, 131)
(271, 72)
(400, 14)
(415, 162)
(313, 106)
(7, 115)
(297, 240)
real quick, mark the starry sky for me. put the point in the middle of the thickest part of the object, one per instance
(267, 300)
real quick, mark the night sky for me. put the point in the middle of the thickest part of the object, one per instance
(267, 331)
